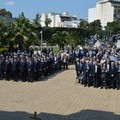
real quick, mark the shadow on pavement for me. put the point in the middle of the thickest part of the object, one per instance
(82, 115)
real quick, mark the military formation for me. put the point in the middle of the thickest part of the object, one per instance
(98, 66)
(23, 66)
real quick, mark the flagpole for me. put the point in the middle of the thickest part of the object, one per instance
(41, 32)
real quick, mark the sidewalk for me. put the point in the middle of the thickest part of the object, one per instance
(57, 98)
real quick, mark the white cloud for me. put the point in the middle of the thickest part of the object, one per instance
(10, 3)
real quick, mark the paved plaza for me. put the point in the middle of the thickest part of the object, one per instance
(57, 98)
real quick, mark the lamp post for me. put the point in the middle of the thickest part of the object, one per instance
(41, 32)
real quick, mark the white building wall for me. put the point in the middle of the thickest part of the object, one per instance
(107, 12)
(43, 18)
(52, 17)
(103, 11)
(91, 14)
(56, 20)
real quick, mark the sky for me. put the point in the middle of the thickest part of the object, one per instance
(32, 7)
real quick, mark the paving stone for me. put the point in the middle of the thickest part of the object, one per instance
(58, 98)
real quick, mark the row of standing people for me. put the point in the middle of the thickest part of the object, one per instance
(30, 68)
(100, 69)
(106, 74)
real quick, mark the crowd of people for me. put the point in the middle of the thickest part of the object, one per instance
(99, 66)
(31, 66)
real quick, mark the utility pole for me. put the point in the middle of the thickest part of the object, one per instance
(41, 32)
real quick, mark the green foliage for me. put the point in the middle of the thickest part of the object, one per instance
(59, 38)
(36, 22)
(113, 26)
(47, 22)
(84, 24)
(55, 50)
(3, 12)
(63, 38)
(20, 32)
(95, 26)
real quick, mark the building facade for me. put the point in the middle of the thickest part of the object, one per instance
(60, 20)
(106, 11)
(7, 19)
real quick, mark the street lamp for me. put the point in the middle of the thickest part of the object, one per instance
(41, 32)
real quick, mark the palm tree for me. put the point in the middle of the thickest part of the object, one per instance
(20, 32)
(47, 22)
(60, 38)
(73, 39)
(2, 31)
(36, 22)
(84, 24)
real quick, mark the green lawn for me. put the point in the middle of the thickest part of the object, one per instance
(55, 50)
(3, 49)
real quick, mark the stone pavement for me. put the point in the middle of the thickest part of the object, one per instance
(57, 98)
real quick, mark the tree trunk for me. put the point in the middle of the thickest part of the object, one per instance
(72, 48)
(11, 47)
(62, 47)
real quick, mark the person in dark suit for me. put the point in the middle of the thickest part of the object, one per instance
(91, 77)
(107, 74)
(7, 69)
(117, 75)
(15, 68)
(113, 71)
(30, 68)
(55, 63)
(96, 73)
(1, 67)
(103, 74)
(86, 71)
(59, 61)
(23, 69)
(79, 68)
(42, 67)
(36, 68)
(65, 61)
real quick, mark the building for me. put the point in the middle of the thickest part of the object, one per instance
(60, 20)
(106, 11)
(7, 19)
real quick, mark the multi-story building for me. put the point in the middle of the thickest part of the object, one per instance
(106, 11)
(7, 19)
(60, 20)
(6, 16)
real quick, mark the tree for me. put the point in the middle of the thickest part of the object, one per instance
(36, 22)
(20, 33)
(84, 24)
(113, 26)
(73, 39)
(47, 22)
(60, 38)
(96, 26)
(2, 30)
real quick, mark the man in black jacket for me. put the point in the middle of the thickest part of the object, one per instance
(15, 68)
(1, 67)
(30, 68)
(113, 72)
(86, 72)
(7, 70)
(96, 73)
